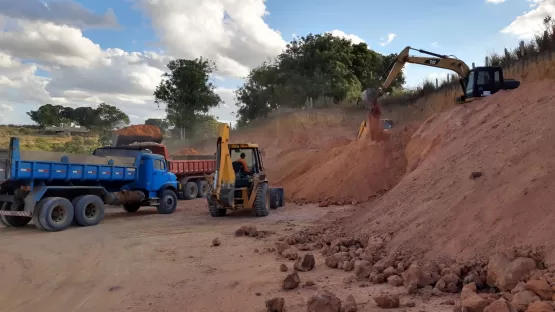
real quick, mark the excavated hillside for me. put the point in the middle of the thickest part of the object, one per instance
(480, 177)
(314, 156)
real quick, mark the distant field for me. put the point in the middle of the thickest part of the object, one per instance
(32, 139)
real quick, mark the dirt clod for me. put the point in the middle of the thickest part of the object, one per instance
(216, 242)
(350, 305)
(291, 281)
(283, 267)
(247, 230)
(275, 304)
(305, 263)
(324, 301)
(387, 301)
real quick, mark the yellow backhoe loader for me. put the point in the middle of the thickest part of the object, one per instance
(475, 83)
(234, 186)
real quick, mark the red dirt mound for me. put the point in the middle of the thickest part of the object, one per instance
(188, 151)
(481, 178)
(353, 172)
(141, 130)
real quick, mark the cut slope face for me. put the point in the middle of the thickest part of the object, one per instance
(440, 210)
(313, 156)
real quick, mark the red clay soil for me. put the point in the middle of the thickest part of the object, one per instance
(188, 151)
(348, 173)
(440, 208)
(142, 130)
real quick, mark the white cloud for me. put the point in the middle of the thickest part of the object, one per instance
(435, 44)
(530, 23)
(230, 32)
(389, 39)
(60, 12)
(81, 73)
(495, 1)
(341, 34)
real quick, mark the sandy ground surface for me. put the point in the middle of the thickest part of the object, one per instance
(151, 262)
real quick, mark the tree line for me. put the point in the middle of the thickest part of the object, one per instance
(310, 67)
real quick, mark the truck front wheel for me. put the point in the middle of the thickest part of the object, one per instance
(168, 202)
(56, 214)
(89, 210)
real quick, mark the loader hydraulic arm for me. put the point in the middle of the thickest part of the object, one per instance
(437, 60)
(224, 176)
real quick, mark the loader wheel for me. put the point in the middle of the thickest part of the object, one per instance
(13, 220)
(191, 190)
(262, 200)
(215, 212)
(203, 188)
(168, 202)
(274, 198)
(89, 210)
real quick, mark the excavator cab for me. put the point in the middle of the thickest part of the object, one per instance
(234, 186)
(484, 81)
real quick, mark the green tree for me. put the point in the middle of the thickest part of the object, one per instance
(313, 66)
(49, 115)
(187, 92)
(160, 123)
(86, 116)
(111, 117)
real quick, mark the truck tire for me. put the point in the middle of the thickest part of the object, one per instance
(274, 198)
(131, 207)
(13, 220)
(168, 202)
(36, 212)
(190, 190)
(214, 210)
(56, 214)
(74, 203)
(262, 200)
(203, 188)
(89, 210)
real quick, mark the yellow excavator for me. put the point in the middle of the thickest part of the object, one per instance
(233, 186)
(475, 83)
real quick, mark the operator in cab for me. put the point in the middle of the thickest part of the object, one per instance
(244, 163)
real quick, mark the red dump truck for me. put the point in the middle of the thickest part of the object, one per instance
(189, 169)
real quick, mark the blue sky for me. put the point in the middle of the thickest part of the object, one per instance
(469, 29)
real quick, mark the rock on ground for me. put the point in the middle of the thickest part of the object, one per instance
(387, 301)
(275, 304)
(505, 274)
(305, 263)
(500, 305)
(324, 301)
(350, 305)
(216, 242)
(283, 267)
(539, 306)
(291, 281)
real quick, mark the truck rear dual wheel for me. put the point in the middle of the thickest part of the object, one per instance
(89, 210)
(53, 214)
(262, 200)
(13, 221)
(190, 190)
(203, 188)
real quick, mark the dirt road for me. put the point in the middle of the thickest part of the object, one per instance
(151, 262)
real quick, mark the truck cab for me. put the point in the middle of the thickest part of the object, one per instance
(153, 170)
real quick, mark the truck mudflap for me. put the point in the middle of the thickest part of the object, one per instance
(15, 213)
(4, 161)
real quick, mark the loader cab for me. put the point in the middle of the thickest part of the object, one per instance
(252, 158)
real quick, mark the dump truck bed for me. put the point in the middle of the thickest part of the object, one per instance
(48, 166)
(192, 166)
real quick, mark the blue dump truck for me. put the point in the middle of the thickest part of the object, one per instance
(56, 190)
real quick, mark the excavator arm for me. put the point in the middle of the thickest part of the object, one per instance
(223, 177)
(437, 61)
